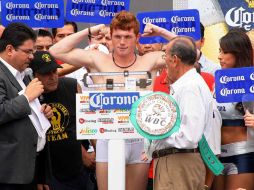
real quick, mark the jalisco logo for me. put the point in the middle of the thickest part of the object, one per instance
(59, 122)
(88, 131)
(239, 17)
(102, 100)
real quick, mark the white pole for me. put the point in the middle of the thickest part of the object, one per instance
(116, 164)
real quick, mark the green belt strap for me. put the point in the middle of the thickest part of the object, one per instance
(209, 158)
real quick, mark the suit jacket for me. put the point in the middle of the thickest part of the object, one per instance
(18, 137)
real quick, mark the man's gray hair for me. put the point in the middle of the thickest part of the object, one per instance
(184, 48)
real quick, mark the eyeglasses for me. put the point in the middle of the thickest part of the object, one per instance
(27, 51)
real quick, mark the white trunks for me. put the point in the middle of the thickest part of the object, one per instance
(133, 151)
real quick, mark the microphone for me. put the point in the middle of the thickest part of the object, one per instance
(29, 74)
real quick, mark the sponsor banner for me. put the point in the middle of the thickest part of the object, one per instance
(103, 123)
(38, 13)
(112, 100)
(180, 22)
(238, 13)
(94, 11)
(234, 85)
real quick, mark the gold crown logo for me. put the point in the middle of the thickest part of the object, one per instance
(46, 58)
(250, 3)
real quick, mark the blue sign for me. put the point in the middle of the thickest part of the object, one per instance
(238, 13)
(234, 85)
(180, 22)
(40, 13)
(94, 11)
(112, 100)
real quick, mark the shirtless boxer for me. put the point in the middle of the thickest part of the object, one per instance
(125, 35)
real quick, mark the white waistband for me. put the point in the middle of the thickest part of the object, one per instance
(127, 141)
(237, 148)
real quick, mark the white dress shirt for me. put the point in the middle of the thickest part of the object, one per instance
(33, 117)
(195, 103)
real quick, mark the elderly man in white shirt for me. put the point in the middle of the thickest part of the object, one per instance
(178, 164)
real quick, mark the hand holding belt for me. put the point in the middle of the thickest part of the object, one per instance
(167, 151)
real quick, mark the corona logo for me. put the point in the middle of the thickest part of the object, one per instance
(226, 79)
(239, 17)
(250, 3)
(112, 100)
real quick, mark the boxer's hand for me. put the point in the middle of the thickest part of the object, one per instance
(152, 30)
(98, 30)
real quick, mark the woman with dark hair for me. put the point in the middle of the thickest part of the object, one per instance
(237, 153)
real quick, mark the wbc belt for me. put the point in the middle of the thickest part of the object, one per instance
(157, 116)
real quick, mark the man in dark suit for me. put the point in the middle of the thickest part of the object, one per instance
(18, 135)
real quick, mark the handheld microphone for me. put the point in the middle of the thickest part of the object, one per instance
(29, 74)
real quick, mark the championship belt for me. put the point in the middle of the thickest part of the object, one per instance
(209, 158)
(157, 116)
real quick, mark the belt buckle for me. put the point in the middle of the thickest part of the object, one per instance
(156, 154)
